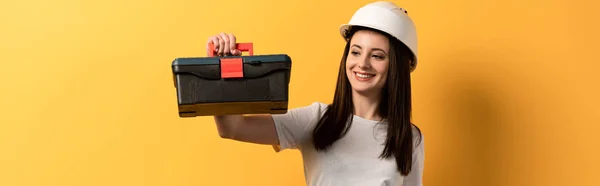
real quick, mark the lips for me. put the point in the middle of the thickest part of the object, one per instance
(361, 76)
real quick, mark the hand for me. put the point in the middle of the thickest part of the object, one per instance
(224, 45)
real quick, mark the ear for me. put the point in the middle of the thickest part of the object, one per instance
(411, 64)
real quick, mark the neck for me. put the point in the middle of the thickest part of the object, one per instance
(366, 105)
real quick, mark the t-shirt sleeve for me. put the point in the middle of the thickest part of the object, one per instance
(415, 177)
(295, 127)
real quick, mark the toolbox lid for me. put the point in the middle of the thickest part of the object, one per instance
(256, 59)
(231, 66)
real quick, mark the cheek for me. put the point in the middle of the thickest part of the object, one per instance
(383, 71)
(382, 67)
(350, 62)
(348, 68)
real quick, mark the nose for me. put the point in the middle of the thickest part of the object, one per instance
(364, 62)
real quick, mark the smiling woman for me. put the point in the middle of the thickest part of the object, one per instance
(365, 136)
(377, 73)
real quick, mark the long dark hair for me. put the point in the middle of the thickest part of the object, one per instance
(395, 107)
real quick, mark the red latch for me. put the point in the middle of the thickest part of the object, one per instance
(232, 68)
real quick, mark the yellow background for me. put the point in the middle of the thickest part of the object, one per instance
(506, 92)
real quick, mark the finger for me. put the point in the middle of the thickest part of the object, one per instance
(222, 45)
(217, 44)
(227, 46)
(211, 40)
(232, 42)
(236, 52)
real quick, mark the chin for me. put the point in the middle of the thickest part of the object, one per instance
(364, 89)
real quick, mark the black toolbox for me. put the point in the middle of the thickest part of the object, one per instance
(229, 85)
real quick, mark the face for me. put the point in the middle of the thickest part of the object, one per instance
(368, 61)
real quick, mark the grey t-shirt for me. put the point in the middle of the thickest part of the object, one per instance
(352, 160)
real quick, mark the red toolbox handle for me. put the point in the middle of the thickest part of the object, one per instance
(244, 47)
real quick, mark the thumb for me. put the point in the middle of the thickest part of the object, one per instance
(236, 52)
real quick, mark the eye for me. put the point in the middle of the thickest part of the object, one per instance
(354, 53)
(378, 56)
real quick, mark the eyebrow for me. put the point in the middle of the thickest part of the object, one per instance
(355, 45)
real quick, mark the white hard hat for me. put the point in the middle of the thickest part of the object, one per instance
(389, 18)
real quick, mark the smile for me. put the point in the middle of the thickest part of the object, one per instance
(363, 76)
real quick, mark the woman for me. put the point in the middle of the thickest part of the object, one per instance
(365, 137)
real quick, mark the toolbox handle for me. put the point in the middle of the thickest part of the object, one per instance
(244, 47)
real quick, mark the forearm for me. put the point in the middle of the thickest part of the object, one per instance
(258, 129)
(226, 125)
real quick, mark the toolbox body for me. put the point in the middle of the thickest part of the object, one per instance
(230, 85)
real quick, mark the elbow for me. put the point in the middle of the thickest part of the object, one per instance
(226, 127)
(225, 134)
(226, 131)
(222, 127)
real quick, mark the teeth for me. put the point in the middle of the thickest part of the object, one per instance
(363, 75)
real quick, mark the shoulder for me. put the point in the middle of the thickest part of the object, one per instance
(417, 132)
(319, 105)
(314, 109)
(417, 136)
(305, 114)
(294, 127)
